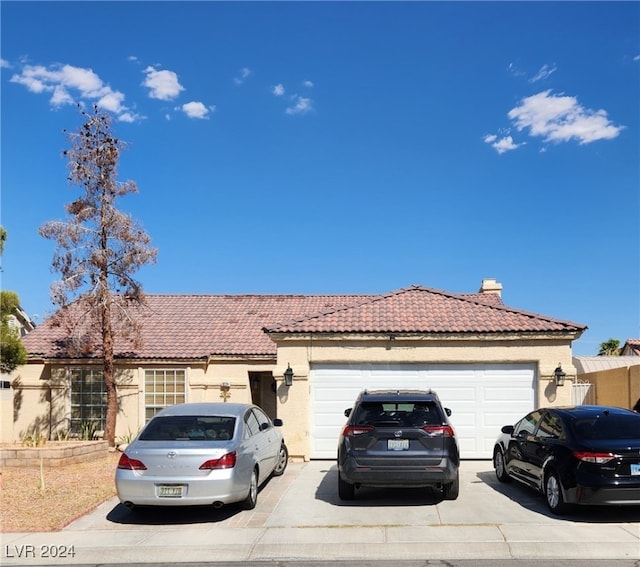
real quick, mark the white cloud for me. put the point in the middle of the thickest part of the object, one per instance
(197, 110)
(163, 85)
(129, 117)
(69, 85)
(558, 118)
(4, 64)
(544, 72)
(278, 90)
(514, 70)
(307, 84)
(245, 73)
(501, 145)
(112, 102)
(301, 105)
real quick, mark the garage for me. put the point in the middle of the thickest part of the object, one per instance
(482, 398)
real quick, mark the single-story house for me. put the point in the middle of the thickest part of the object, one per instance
(489, 363)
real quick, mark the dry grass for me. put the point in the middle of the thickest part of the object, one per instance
(68, 493)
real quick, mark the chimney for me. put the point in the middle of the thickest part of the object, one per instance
(490, 285)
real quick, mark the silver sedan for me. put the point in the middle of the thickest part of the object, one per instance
(201, 454)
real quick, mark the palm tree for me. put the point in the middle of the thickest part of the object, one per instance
(610, 348)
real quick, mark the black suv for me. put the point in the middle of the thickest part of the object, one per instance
(398, 438)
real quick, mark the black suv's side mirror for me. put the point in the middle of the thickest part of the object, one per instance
(447, 411)
(347, 412)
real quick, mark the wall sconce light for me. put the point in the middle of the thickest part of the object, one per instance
(224, 391)
(288, 376)
(559, 375)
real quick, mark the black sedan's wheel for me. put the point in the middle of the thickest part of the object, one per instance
(281, 462)
(451, 490)
(249, 503)
(346, 491)
(498, 464)
(553, 493)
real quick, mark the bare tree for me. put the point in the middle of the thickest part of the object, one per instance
(98, 248)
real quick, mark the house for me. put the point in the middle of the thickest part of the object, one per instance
(631, 348)
(489, 363)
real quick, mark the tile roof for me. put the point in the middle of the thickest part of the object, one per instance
(199, 326)
(631, 347)
(422, 310)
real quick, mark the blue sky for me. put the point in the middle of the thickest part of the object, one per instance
(343, 147)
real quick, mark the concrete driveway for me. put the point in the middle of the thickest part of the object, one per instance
(299, 516)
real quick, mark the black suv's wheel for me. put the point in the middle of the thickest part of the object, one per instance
(346, 491)
(282, 460)
(249, 503)
(498, 464)
(553, 492)
(451, 490)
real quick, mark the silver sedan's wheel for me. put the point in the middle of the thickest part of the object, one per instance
(281, 462)
(249, 503)
(498, 464)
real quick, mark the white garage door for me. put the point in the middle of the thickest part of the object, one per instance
(482, 398)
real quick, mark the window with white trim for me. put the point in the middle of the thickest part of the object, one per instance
(163, 388)
(88, 402)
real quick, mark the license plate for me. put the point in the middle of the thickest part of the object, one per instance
(397, 444)
(170, 490)
(635, 469)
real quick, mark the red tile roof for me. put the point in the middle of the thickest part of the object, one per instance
(199, 326)
(422, 310)
(631, 347)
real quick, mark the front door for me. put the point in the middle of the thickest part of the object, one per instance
(263, 392)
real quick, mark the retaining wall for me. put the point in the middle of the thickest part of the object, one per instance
(53, 454)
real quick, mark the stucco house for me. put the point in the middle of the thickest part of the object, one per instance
(489, 363)
(631, 347)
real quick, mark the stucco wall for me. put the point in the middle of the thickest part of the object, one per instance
(40, 396)
(302, 354)
(615, 387)
(43, 393)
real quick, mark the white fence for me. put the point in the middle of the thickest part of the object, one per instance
(583, 393)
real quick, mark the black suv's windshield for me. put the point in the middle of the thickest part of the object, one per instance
(393, 414)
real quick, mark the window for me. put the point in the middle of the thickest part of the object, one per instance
(262, 418)
(162, 388)
(253, 427)
(88, 402)
(406, 414)
(550, 426)
(189, 428)
(528, 424)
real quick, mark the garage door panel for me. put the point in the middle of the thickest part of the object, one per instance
(520, 392)
(482, 398)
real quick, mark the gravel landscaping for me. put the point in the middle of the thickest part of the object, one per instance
(35, 500)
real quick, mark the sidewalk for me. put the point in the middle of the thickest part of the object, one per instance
(299, 516)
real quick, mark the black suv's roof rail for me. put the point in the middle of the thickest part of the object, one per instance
(398, 392)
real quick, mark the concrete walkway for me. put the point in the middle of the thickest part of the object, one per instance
(299, 517)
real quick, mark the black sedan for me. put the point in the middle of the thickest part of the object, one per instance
(574, 455)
